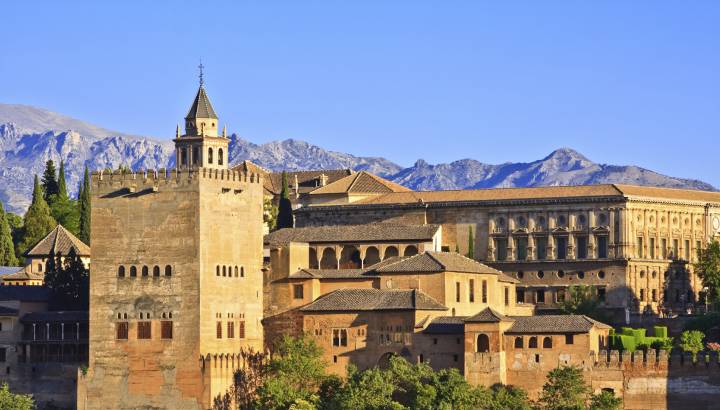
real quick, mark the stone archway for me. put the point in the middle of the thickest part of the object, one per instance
(483, 343)
(391, 251)
(410, 250)
(350, 258)
(313, 259)
(329, 259)
(372, 256)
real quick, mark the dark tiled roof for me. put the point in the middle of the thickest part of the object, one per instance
(8, 270)
(6, 311)
(431, 261)
(446, 325)
(25, 293)
(308, 181)
(331, 274)
(554, 324)
(23, 274)
(59, 241)
(57, 316)
(362, 182)
(201, 107)
(349, 300)
(377, 232)
(487, 315)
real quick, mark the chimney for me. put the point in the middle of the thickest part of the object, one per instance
(323, 179)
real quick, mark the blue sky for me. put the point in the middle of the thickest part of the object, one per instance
(622, 82)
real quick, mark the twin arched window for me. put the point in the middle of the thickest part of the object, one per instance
(220, 156)
(145, 271)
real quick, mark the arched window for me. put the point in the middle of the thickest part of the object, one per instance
(217, 270)
(121, 271)
(519, 342)
(210, 156)
(220, 156)
(483, 343)
(156, 271)
(224, 270)
(242, 272)
(547, 343)
(532, 343)
(236, 271)
(329, 259)
(390, 251)
(372, 256)
(350, 258)
(183, 156)
(145, 271)
(133, 271)
(168, 270)
(313, 260)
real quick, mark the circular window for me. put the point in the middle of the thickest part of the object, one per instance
(541, 274)
(601, 275)
(642, 274)
(520, 275)
(561, 274)
(581, 275)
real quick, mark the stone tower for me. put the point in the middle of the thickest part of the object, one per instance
(176, 288)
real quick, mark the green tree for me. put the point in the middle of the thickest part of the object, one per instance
(471, 244)
(84, 222)
(295, 372)
(509, 397)
(64, 210)
(692, 341)
(50, 182)
(270, 213)
(708, 269)
(371, 389)
(38, 221)
(68, 282)
(285, 217)
(7, 247)
(582, 300)
(605, 400)
(11, 401)
(565, 389)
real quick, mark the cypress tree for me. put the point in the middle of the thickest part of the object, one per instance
(49, 182)
(84, 229)
(7, 247)
(471, 244)
(63, 209)
(38, 220)
(285, 217)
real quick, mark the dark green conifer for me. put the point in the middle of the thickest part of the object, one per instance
(285, 216)
(64, 210)
(7, 247)
(49, 182)
(38, 220)
(84, 229)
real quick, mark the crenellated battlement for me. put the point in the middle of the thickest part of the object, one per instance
(658, 359)
(154, 179)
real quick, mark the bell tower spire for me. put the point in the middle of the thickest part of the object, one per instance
(201, 146)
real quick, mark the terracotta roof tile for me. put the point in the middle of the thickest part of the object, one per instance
(23, 274)
(352, 233)
(669, 193)
(362, 182)
(308, 181)
(431, 261)
(59, 241)
(554, 324)
(331, 274)
(488, 315)
(446, 325)
(201, 107)
(347, 300)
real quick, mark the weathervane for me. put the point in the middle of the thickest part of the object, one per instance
(201, 66)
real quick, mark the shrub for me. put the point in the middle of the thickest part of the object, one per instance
(660, 331)
(692, 341)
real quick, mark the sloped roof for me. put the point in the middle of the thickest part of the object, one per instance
(446, 325)
(350, 300)
(308, 181)
(554, 324)
(669, 193)
(25, 293)
(59, 241)
(8, 270)
(201, 107)
(56, 316)
(487, 315)
(23, 274)
(6, 311)
(362, 182)
(431, 261)
(377, 232)
(330, 274)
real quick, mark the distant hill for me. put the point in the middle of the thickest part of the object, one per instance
(29, 136)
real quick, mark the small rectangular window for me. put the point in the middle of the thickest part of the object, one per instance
(602, 247)
(471, 290)
(3, 354)
(218, 330)
(144, 330)
(121, 330)
(601, 294)
(569, 339)
(654, 295)
(642, 295)
(541, 248)
(520, 295)
(581, 247)
(521, 244)
(457, 291)
(540, 296)
(561, 248)
(676, 249)
(484, 292)
(231, 330)
(507, 296)
(651, 248)
(501, 249)
(166, 329)
(687, 250)
(241, 329)
(639, 248)
(298, 291)
(664, 248)
(339, 337)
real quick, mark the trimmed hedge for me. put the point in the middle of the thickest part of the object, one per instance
(630, 339)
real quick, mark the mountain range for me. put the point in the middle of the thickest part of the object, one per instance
(29, 136)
